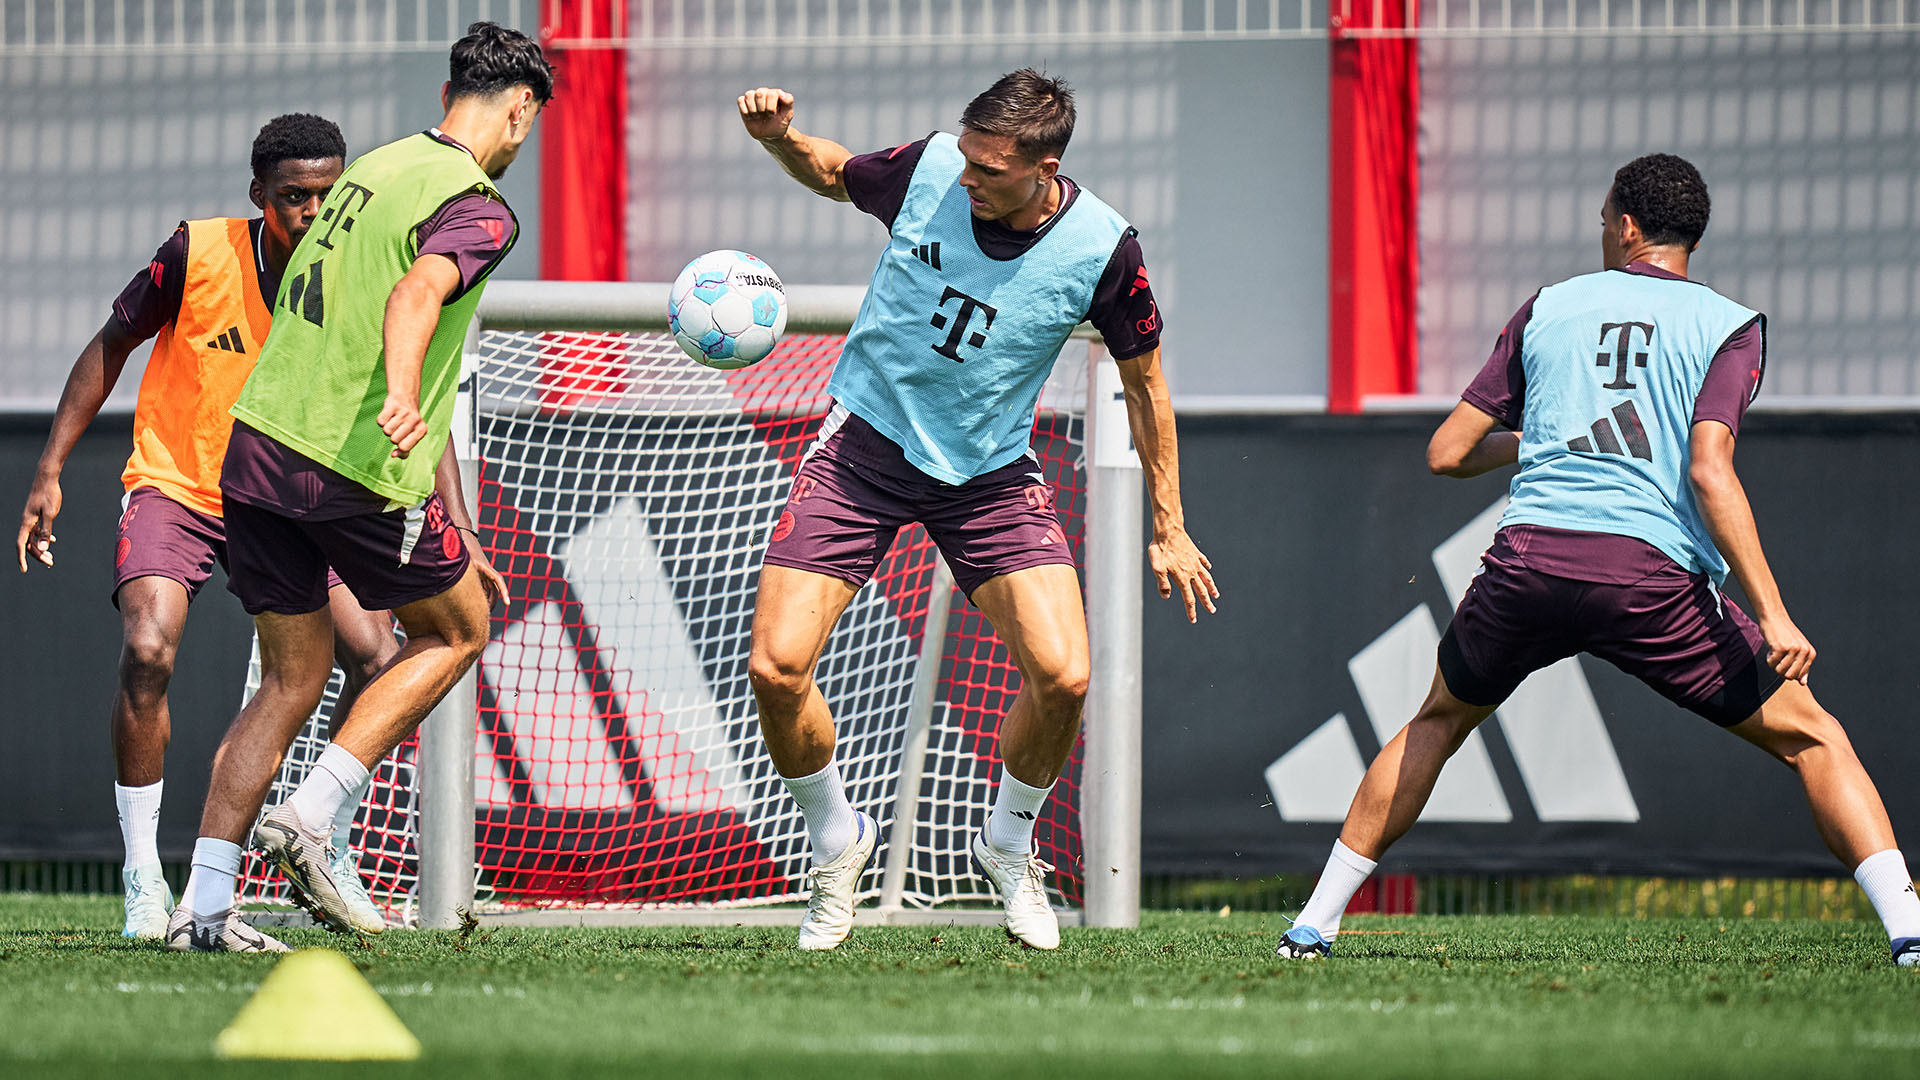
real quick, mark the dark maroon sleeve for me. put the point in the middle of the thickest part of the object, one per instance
(152, 299)
(474, 231)
(877, 182)
(1500, 390)
(1733, 379)
(1123, 308)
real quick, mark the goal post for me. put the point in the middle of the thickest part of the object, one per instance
(602, 763)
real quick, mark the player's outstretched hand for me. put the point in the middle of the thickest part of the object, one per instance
(1176, 561)
(767, 112)
(1788, 650)
(491, 582)
(36, 524)
(403, 425)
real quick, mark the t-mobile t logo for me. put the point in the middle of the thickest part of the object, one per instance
(1623, 351)
(950, 348)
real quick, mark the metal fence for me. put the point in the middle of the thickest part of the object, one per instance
(73, 27)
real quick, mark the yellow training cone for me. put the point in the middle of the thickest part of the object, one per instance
(315, 1007)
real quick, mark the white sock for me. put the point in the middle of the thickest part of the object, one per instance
(831, 823)
(1885, 880)
(335, 776)
(349, 809)
(209, 892)
(1346, 871)
(139, 823)
(1016, 807)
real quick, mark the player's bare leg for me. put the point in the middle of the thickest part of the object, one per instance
(1401, 779)
(1388, 802)
(363, 645)
(153, 615)
(1038, 613)
(1847, 811)
(445, 635)
(793, 615)
(296, 659)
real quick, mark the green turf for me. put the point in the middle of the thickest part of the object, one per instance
(1186, 995)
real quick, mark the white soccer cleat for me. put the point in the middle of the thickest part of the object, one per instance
(233, 935)
(362, 912)
(148, 902)
(1021, 882)
(829, 917)
(306, 859)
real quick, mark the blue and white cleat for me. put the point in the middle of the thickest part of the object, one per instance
(1304, 943)
(1906, 951)
(362, 912)
(829, 917)
(149, 901)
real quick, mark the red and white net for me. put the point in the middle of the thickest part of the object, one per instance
(626, 495)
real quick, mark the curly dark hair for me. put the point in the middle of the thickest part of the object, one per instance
(1035, 109)
(492, 58)
(296, 137)
(1666, 196)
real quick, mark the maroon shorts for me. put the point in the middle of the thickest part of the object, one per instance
(856, 490)
(1671, 629)
(389, 559)
(163, 538)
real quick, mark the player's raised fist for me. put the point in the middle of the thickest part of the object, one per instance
(766, 112)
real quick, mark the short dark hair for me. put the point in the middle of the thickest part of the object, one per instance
(492, 58)
(296, 137)
(1666, 196)
(1034, 109)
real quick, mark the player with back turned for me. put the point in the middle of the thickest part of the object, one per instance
(361, 371)
(994, 258)
(1623, 392)
(206, 298)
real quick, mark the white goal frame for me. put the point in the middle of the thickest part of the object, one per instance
(1114, 562)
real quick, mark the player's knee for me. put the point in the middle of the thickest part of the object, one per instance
(1065, 688)
(146, 660)
(1814, 731)
(361, 659)
(777, 678)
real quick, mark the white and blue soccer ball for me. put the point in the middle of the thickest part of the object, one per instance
(727, 309)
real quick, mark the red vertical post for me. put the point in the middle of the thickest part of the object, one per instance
(583, 186)
(1373, 199)
(583, 145)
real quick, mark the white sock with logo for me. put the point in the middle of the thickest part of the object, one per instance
(338, 774)
(1346, 871)
(1016, 809)
(210, 888)
(1885, 880)
(349, 809)
(832, 825)
(139, 823)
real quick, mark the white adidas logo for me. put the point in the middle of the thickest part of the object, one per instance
(1551, 723)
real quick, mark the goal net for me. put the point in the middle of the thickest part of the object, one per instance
(626, 494)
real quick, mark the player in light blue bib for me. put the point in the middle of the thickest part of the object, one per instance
(993, 259)
(1624, 391)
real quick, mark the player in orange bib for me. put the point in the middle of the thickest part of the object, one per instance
(206, 301)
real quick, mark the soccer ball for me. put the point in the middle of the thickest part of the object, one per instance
(727, 309)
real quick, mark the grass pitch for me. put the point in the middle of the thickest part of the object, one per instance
(1186, 995)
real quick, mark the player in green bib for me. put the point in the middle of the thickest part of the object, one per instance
(359, 371)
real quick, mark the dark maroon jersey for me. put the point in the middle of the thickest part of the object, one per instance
(1123, 309)
(1733, 379)
(152, 299)
(473, 230)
